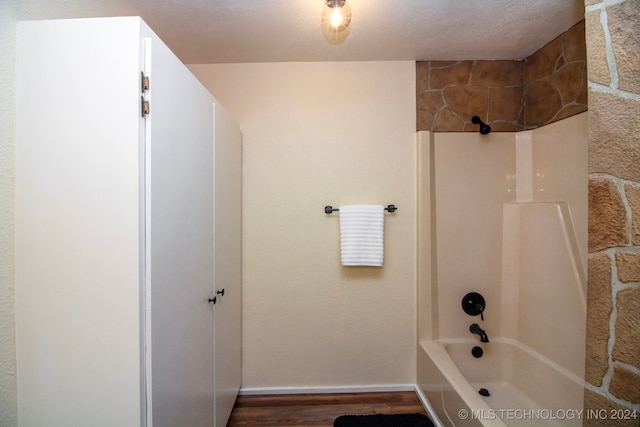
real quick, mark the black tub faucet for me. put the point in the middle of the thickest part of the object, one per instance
(476, 329)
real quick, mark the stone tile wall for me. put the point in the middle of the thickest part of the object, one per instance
(613, 309)
(450, 93)
(555, 80)
(509, 95)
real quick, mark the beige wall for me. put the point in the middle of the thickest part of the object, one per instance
(613, 324)
(317, 134)
(12, 11)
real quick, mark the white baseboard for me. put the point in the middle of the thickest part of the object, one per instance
(427, 406)
(328, 389)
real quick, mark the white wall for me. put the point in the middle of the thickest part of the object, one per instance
(474, 176)
(559, 158)
(545, 244)
(316, 134)
(12, 11)
(512, 253)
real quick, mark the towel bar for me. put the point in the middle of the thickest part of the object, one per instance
(331, 209)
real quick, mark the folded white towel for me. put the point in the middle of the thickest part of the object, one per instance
(362, 235)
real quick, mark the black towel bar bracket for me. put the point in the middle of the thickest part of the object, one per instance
(331, 209)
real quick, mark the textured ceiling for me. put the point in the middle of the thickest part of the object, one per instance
(223, 31)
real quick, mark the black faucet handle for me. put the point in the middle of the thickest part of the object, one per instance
(473, 304)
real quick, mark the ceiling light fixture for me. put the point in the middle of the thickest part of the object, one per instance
(336, 18)
(338, 14)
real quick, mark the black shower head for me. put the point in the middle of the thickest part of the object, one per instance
(484, 128)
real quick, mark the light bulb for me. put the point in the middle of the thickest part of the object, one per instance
(336, 15)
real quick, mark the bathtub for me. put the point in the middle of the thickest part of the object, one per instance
(525, 388)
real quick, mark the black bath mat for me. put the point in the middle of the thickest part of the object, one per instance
(380, 420)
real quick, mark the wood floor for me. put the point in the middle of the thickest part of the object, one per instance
(318, 410)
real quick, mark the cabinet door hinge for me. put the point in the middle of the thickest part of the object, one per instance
(144, 82)
(144, 86)
(144, 106)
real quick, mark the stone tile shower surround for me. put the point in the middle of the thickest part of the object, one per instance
(613, 324)
(511, 96)
(450, 93)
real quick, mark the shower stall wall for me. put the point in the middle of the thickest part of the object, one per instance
(504, 215)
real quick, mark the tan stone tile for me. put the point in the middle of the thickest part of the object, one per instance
(627, 344)
(500, 126)
(628, 267)
(454, 75)
(446, 121)
(542, 101)
(505, 103)
(599, 307)
(633, 198)
(422, 76)
(427, 105)
(597, 66)
(570, 81)
(625, 384)
(497, 73)
(614, 125)
(607, 216)
(574, 43)
(570, 110)
(470, 127)
(521, 116)
(624, 25)
(442, 64)
(467, 101)
(542, 63)
(599, 404)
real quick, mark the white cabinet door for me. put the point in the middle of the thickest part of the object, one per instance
(179, 209)
(78, 223)
(228, 274)
(115, 224)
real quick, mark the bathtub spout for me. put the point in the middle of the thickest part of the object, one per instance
(476, 329)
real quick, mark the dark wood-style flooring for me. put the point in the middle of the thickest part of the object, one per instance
(318, 410)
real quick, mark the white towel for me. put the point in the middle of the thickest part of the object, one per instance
(362, 235)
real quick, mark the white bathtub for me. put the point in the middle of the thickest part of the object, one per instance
(526, 389)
